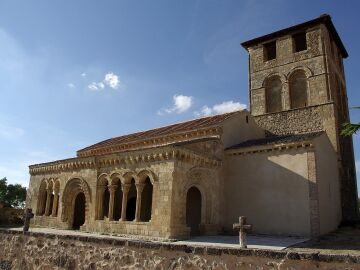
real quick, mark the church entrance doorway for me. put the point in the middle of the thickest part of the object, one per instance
(79, 211)
(193, 210)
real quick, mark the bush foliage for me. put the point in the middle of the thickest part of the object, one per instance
(12, 195)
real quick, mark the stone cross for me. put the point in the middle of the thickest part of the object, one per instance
(242, 227)
(26, 217)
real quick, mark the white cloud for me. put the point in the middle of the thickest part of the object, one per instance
(83, 74)
(224, 107)
(111, 80)
(181, 104)
(101, 85)
(94, 86)
(71, 85)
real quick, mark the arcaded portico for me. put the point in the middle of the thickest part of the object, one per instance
(283, 165)
(142, 192)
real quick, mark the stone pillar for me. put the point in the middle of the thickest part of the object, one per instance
(47, 207)
(125, 190)
(100, 201)
(112, 190)
(139, 189)
(286, 97)
(55, 205)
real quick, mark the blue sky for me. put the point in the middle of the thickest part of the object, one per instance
(73, 73)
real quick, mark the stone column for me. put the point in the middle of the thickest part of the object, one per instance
(139, 189)
(47, 207)
(55, 205)
(125, 190)
(112, 190)
(100, 201)
(286, 96)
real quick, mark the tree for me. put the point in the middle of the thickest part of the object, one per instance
(349, 128)
(12, 195)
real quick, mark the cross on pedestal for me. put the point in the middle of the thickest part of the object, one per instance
(27, 216)
(242, 227)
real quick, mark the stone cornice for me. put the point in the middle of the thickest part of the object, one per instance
(153, 142)
(166, 153)
(270, 148)
(160, 154)
(295, 110)
(62, 165)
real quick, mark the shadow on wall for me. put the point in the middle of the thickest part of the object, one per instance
(275, 193)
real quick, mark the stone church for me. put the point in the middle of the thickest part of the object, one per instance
(282, 164)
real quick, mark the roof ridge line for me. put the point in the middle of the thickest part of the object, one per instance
(165, 126)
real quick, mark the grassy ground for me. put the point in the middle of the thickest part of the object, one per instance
(346, 240)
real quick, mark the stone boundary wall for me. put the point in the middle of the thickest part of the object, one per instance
(34, 250)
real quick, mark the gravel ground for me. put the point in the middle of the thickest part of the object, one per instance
(346, 240)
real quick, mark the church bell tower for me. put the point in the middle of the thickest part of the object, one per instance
(297, 85)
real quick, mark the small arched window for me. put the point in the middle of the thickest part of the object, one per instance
(273, 89)
(298, 89)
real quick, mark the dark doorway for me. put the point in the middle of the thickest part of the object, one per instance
(117, 203)
(51, 203)
(193, 210)
(146, 201)
(79, 211)
(106, 200)
(131, 208)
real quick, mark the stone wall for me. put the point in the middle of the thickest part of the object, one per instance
(296, 121)
(47, 251)
(122, 171)
(265, 185)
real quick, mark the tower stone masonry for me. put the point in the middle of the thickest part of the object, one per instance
(297, 85)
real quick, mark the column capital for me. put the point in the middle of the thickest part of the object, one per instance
(113, 188)
(140, 187)
(101, 188)
(125, 187)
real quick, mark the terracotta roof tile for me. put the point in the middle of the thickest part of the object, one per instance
(192, 125)
(277, 140)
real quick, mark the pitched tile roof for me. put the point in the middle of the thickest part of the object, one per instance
(179, 128)
(277, 140)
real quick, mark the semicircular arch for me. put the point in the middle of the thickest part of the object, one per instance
(143, 174)
(307, 71)
(73, 187)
